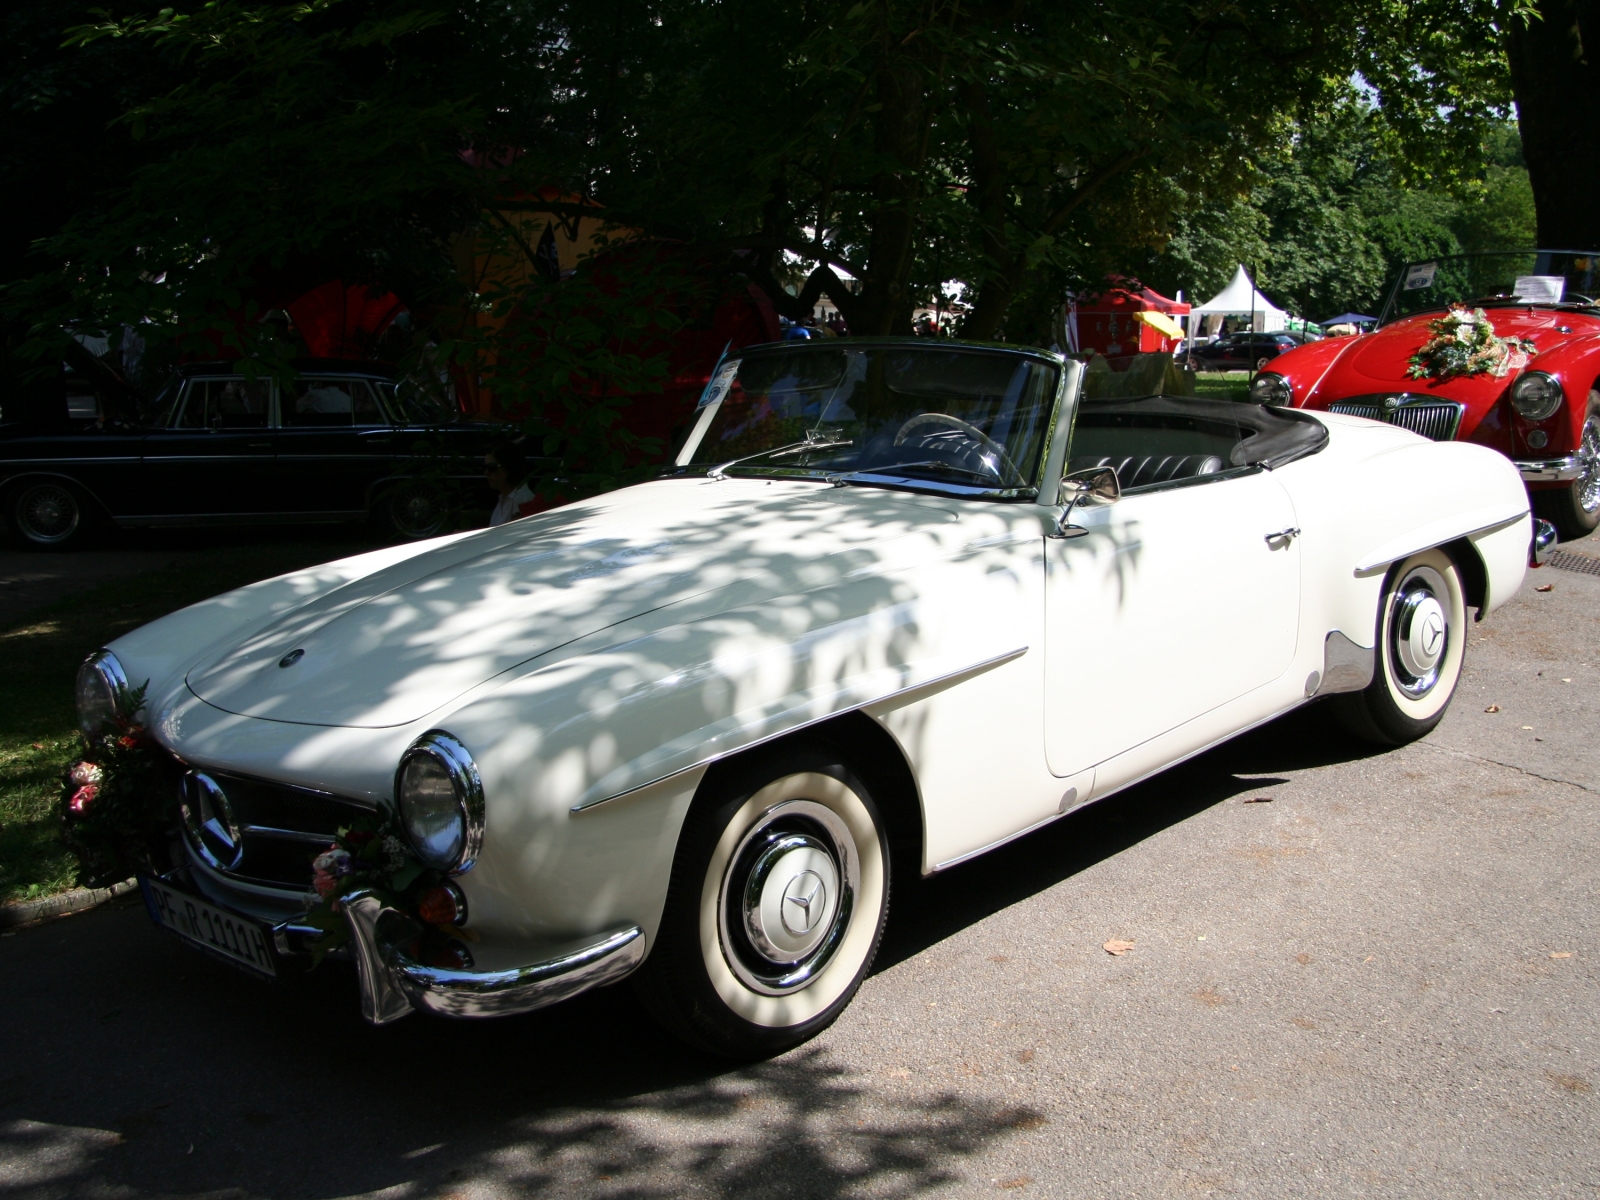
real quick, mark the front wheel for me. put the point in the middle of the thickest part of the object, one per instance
(1576, 509)
(49, 515)
(1422, 626)
(414, 511)
(777, 902)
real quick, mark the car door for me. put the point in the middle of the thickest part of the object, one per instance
(213, 458)
(333, 443)
(1178, 599)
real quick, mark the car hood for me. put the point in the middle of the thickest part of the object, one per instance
(393, 646)
(1377, 362)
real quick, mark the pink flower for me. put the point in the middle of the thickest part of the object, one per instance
(324, 883)
(83, 796)
(86, 773)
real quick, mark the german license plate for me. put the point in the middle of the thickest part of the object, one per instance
(237, 940)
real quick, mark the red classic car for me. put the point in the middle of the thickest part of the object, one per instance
(1502, 349)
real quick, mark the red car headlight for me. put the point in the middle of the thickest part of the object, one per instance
(1272, 388)
(1536, 395)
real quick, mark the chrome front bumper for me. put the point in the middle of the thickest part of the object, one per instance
(499, 981)
(1549, 470)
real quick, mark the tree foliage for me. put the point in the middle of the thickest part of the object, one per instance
(1014, 145)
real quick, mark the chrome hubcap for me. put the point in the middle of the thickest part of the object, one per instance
(1419, 631)
(787, 896)
(1588, 486)
(48, 513)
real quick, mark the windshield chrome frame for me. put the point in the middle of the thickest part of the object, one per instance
(1391, 301)
(1068, 374)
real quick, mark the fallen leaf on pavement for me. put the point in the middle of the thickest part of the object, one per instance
(1492, 708)
(1545, 587)
(1259, 800)
(1117, 947)
(1561, 954)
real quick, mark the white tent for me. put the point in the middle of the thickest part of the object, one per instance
(1241, 299)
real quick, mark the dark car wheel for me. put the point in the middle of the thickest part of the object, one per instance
(1261, 363)
(1576, 509)
(414, 511)
(1422, 628)
(49, 515)
(779, 891)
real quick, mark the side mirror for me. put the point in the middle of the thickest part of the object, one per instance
(1089, 488)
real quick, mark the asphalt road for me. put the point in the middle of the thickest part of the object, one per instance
(1380, 983)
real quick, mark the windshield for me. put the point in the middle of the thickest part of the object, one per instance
(1509, 277)
(953, 416)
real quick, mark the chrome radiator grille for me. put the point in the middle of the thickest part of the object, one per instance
(258, 830)
(1437, 420)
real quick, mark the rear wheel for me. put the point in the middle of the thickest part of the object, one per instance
(49, 514)
(1422, 624)
(1576, 509)
(778, 897)
(414, 511)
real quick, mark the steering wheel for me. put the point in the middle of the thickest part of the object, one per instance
(972, 431)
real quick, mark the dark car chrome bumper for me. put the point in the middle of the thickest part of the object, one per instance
(497, 983)
(1549, 470)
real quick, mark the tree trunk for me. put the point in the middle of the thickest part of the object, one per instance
(1553, 75)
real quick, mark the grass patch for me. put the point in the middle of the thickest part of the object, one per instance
(38, 719)
(1222, 385)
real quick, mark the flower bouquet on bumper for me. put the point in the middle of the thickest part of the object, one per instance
(118, 803)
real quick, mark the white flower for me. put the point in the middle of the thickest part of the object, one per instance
(86, 773)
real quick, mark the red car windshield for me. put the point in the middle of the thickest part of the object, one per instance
(1568, 278)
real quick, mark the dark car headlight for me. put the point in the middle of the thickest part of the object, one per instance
(441, 802)
(103, 693)
(1272, 388)
(1536, 395)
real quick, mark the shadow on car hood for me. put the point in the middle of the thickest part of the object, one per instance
(393, 646)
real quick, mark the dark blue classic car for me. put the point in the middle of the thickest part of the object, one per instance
(340, 441)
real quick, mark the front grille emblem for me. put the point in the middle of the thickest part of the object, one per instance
(208, 818)
(1390, 403)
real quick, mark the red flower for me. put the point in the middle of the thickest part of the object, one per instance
(82, 798)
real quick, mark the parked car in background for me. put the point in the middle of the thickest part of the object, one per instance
(1534, 395)
(894, 604)
(342, 441)
(1241, 351)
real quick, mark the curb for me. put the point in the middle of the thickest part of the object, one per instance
(12, 916)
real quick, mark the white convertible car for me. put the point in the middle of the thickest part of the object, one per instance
(896, 603)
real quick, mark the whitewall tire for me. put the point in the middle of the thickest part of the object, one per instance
(1421, 632)
(778, 898)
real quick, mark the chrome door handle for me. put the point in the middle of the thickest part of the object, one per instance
(1283, 535)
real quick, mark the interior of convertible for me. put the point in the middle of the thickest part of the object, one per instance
(1159, 440)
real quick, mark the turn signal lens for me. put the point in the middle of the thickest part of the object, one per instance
(443, 905)
(431, 812)
(1272, 388)
(1536, 395)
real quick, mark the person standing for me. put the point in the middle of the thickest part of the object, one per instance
(505, 467)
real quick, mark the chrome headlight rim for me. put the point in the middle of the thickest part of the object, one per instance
(1543, 408)
(1272, 389)
(465, 782)
(105, 666)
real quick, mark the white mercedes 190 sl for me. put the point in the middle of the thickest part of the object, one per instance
(894, 604)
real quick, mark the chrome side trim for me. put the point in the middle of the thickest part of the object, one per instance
(1448, 529)
(393, 983)
(1346, 667)
(1549, 470)
(975, 669)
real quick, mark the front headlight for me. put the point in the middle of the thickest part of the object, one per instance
(103, 693)
(1271, 388)
(1536, 395)
(441, 802)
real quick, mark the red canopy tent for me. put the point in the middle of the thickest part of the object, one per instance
(1109, 322)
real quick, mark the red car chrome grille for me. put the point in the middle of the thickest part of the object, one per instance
(1437, 420)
